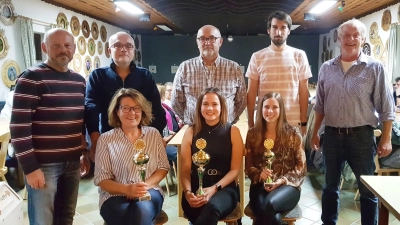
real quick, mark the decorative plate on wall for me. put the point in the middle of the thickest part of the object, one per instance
(103, 33)
(373, 33)
(87, 67)
(329, 42)
(378, 49)
(7, 15)
(75, 26)
(91, 46)
(322, 57)
(3, 44)
(62, 21)
(398, 14)
(85, 29)
(139, 56)
(331, 54)
(81, 45)
(386, 20)
(326, 55)
(100, 47)
(106, 50)
(324, 44)
(96, 62)
(335, 36)
(95, 31)
(77, 63)
(137, 43)
(10, 71)
(366, 48)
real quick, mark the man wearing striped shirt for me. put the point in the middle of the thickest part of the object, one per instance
(351, 88)
(208, 70)
(47, 131)
(280, 68)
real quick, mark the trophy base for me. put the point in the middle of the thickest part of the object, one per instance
(146, 197)
(268, 184)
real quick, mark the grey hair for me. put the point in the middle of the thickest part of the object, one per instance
(355, 23)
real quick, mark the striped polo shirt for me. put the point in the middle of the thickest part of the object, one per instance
(281, 72)
(47, 117)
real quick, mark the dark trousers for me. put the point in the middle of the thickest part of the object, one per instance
(268, 206)
(357, 147)
(221, 204)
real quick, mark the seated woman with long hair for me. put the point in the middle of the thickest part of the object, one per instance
(288, 169)
(225, 147)
(117, 175)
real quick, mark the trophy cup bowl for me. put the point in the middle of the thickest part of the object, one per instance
(200, 159)
(268, 156)
(141, 159)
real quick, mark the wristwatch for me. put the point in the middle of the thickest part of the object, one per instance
(218, 187)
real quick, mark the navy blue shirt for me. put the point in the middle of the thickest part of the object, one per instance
(101, 87)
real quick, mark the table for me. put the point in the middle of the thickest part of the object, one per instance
(177, 141)
(386, 189)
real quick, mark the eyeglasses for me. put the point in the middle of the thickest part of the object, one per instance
(127, 109)
(120, 46)
(211, 39)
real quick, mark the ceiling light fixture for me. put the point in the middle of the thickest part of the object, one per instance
(163, 27)
(128, 6)
(322, 6)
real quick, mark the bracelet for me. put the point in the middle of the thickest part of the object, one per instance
(185, 191)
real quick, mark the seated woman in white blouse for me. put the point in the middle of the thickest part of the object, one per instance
(116, 173)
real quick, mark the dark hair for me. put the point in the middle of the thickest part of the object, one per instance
(199, 119)
(397, 79)
(113, 119)
(280, 16)
(260, 127)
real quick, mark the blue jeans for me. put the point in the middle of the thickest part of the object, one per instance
(119, 210)
(358, 149)
(55, 204)
(172, 152)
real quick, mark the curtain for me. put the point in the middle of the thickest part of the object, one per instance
(394, 52)
(28, 42)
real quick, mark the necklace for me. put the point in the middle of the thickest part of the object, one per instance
(209, 131)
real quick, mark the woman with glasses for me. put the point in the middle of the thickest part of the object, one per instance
(282, 192)
(225, 147)
(117, 175)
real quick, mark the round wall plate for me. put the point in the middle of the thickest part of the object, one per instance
(91, 47)
(10, 71)
(75, 26)
(85, 29)
(95, 31)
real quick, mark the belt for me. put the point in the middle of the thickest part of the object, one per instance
(212, 172)
(348, 130)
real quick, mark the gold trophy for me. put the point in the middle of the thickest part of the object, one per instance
(141, 159)
(268, 156)
(200, 159)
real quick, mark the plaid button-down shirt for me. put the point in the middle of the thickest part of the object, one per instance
(193, 76)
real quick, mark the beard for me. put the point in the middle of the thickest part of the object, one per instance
(278, 41)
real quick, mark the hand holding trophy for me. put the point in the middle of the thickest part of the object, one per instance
(200, 159)
(141, 159)
(268, 156)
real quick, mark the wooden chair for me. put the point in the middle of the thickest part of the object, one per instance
(288, 217)
(161, 219)
(171, 178)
